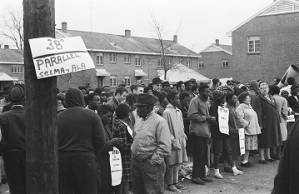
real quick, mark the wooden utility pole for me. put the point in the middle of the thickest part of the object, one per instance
(41, 130)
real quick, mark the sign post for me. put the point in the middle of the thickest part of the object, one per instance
(41, 104)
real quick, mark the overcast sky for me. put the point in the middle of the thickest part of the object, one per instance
(196, 22)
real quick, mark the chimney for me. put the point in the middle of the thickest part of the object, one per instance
(175, 38)
(217, 42)
(128, 33)
(6, 46)
(64, 26)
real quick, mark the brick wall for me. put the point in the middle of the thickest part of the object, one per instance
(213, 64)
(279, 47)
(120, 70)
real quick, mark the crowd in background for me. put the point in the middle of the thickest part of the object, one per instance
(157, 129)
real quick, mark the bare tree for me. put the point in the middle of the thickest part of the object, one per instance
(13, 28)
(163, 46)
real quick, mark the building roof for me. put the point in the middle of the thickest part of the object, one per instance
(275, 8)
(11, 56)
(218, 48)
(95, 41)
(6, 77)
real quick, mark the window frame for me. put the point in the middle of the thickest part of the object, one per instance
(225, 64)
(100, 59)
(128, 81)
(201, 65)
(113, 57)
(17, 69)
(189, 62)
(138, 61)
(113, 81)
(127, 59)
(253, 44)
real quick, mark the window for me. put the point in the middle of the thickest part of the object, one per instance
(128, 59)
(201, 65)
(127, 81)
(189, 63)
(113, 82)
(17, 69)
(254, 44)
(112, 57)
(160, 63)
(137, 61)
(169, 61)
(100, 59)
(225, 64)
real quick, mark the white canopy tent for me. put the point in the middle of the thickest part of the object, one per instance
(180, 72)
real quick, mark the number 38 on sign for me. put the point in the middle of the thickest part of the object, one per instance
(53, 57)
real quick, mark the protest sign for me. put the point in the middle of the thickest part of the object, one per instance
(291, 119)
(223, 115)
(53, 57)
(242, 140)
(116, 166)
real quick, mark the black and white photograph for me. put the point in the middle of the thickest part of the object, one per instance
(149, 96)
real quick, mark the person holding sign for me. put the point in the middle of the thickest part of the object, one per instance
(122, 130)
(247, 119)
(220, 132)
(232, 103)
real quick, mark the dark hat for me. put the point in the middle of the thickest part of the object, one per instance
(218, 95)
(17, 93)
(165, 83)
(157, 80)
(145, 100)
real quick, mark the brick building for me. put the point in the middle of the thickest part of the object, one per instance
(11, 67)
(267, 43)
(123, 58)
(216, 60)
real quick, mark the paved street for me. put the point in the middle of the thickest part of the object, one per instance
(256, 180)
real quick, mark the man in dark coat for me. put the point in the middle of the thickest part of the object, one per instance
(80, 139)
(13, 144)
(286, 180)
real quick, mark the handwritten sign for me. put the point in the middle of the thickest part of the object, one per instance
(53, 57)
(223, 116)
(116, 166)
(242, 140)
(291, 119)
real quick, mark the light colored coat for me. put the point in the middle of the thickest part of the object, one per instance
(282, 108)
(247, 119)
(174, 118)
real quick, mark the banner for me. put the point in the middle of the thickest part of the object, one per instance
(292, 71)
(53, 57)
(116, 166)
(223, 116)
(242, 140)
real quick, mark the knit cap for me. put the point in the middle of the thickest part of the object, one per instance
(17, 93)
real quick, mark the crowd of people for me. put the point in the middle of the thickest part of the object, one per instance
(157, 128)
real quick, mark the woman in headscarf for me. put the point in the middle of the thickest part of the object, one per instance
(247, 119)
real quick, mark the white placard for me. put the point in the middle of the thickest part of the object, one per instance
(291, 119)
(242, 140)
(53, 57)
(223, 116)
(116, 166)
